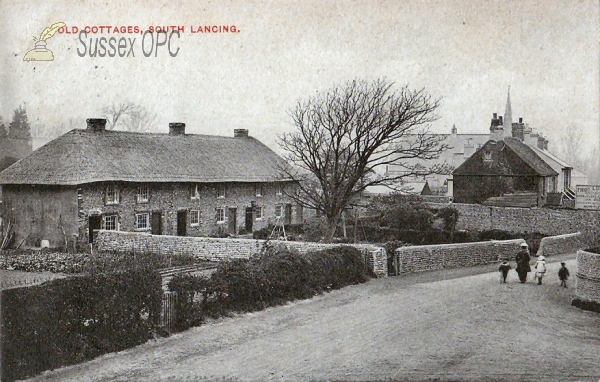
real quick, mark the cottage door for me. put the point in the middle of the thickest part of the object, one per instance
(249, 219)
(94, 222)
(181, 223)
(232, 221)
(287, 218)
(156, 223)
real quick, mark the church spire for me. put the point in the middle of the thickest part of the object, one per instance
(508, 116)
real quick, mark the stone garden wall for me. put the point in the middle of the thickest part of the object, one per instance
(432, 257)
(218, 249)
(559, 244)
(588, 277)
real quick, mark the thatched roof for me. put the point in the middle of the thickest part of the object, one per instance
(84, 156)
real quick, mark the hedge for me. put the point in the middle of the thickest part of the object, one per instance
(274, 277)
(71, 320)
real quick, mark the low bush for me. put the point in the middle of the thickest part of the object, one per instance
(74, 319)
(274, 277)
(60, 262)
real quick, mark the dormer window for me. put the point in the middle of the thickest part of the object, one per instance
(279, 189)
(195, 191)
(487, 155)
(143, 193)
(112, 194)
(220, 190)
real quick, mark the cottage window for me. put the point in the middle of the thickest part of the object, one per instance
(110, 222)
(220, 190)
(259, 213)
(487, 155)
(195, 191)
(194, 218)
(112, 194)
(258, 190)
(142, 221)
(221, 215)
(143, 194)
(278, 211)
(279, 189)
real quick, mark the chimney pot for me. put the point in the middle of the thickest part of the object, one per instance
(240, 133)
(96, 124)
(176, 128)
(495, 115)
(520, 120)
(500, 118)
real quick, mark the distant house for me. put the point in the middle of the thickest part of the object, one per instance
(504, 165)
(171, 184)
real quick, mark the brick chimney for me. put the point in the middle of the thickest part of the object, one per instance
(540, 142)
(518, 130)
(240, 133)
(96, 124)
(176, 128)
(533, 138)
(469, 148)
(496, 131)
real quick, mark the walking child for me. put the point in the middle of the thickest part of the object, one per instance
(540, 269)
(503, 269)
(563, 274)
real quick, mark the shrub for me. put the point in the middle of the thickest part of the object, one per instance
(408, 216)
(275, 276)
(70, 320)
(261, 234)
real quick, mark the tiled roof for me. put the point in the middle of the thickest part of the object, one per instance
(530, 157)
(82, 156)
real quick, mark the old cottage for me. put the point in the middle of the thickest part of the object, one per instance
(170, 184)
(505, 166)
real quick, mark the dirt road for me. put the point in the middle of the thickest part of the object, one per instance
(444, 325)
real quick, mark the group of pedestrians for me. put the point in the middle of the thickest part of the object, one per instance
(523, 260)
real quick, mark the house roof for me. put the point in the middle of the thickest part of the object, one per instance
(530, 157)
(84, 156)
(557, 164)
(523, 151)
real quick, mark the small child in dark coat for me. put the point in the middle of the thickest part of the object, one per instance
(504, 268)
(563, 275)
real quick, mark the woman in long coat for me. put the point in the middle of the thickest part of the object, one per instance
(523, 260)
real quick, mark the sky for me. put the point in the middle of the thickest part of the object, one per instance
(465, 52)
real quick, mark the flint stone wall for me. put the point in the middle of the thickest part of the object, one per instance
(547, 221)
(219, 249)
(433, 257)
(555, 245)
(588, 277)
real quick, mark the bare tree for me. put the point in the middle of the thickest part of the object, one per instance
(114, 112)
(342, 136)
(573, 147)
(129, 116)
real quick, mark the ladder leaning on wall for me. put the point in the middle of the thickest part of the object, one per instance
(278, 232)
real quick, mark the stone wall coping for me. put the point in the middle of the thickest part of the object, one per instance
(563, 236)
(461, 245)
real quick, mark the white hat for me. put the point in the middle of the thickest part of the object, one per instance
(541, 258)
(524, 245)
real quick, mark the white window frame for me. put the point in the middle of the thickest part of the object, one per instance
(105, 220)
(259, 213)
(194, 218)
(111, 189)
(137, 220)
(258, 189)
(487, 155)
(195, 191)
(220, 191)
(279, 189)
(280, 208)
(221, 215)
(141, 198)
